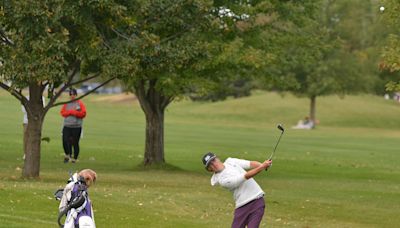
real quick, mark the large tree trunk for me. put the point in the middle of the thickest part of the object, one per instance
(36, 115)
(154, 149)
(313, 110)
(153, 104)
(32, 157)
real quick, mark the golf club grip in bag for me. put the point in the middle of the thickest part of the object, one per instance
(76, 203)
(62, 213)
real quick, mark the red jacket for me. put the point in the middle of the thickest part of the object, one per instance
(77, 113)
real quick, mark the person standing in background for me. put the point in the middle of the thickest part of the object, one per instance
(73, 114)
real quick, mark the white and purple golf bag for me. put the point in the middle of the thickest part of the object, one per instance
(75, 204)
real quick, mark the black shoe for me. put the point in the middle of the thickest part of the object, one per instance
(66, 159)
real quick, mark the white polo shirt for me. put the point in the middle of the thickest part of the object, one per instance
(232, 178)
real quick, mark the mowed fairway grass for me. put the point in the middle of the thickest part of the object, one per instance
(343, 174)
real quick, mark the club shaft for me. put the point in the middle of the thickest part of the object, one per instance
(276, 145)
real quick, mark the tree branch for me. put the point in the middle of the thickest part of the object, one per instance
(188, 27)
(44, 86)
(12, 91)
(176, 34)
(17, 94)
(84, 95)
(166, 101)
(121, 34)
(64, 87)
(141, 95)
(5, 39)
(84, 80)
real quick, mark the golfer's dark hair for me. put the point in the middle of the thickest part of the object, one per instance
(73, 91)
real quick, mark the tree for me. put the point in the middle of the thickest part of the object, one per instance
(166, 41)
(324, 56)
(49, 46)
(175, 45)
(235, 87)
(391, 52)
(252, 48)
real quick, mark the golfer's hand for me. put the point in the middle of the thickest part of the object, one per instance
(266, 164)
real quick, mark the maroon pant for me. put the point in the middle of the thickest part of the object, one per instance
(249, 215)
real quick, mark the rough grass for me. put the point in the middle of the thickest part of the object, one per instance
(343, 174)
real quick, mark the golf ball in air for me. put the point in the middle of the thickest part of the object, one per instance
(382, 8)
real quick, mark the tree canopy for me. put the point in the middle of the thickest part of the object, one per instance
(47, 47)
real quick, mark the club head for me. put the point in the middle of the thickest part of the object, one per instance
(280, 127)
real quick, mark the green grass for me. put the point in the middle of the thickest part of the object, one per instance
(343, 174)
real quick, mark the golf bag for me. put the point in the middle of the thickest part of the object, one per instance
(75, 204)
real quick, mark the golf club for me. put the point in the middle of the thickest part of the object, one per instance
(280, 127)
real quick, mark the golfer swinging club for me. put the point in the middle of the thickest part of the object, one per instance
(248, 196)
